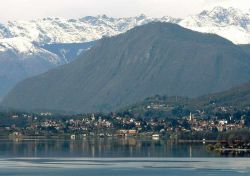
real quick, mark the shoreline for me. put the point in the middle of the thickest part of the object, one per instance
(137, 137)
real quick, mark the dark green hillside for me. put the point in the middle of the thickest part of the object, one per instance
(159, 107)
(238, 97)
(153, 59)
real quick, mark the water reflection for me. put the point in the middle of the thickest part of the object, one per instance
(103, 147)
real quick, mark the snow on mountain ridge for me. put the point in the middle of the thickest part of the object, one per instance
(4, 32)
(230, 16)
(18, 44)
(26, 49)
(59, 30)
(229, 23)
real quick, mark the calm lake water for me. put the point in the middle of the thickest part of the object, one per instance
(109, 147)
(115, 157)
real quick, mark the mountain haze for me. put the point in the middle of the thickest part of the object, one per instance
(157, 58)
(21, 59)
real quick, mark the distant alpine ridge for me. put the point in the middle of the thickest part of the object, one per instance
(219, 20)
(155, 58)
(230, 23)
(20, 59)
(28, 48)
(58, 30)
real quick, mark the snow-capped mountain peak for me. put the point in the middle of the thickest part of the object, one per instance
(230, 16)
(230, 23)
(25, 49)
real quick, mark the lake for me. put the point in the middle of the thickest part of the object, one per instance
(115, 157)
(102, 147)
(125, 166)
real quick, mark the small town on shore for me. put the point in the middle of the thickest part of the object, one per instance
(224, 129)
(101, 125)
(221, 132)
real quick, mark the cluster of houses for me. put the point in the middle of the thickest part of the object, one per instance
(114, 125)
(214, 124)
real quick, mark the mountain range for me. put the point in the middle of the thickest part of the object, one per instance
(219, 20)
(28, 48)
(156, 58)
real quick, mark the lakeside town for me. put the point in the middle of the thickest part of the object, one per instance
(120, 124)
(224, 129)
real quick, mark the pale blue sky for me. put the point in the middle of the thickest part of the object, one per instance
(32, 9)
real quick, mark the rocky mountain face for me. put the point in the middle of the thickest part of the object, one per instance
(156, 58)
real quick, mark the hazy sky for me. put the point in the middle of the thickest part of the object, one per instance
(32, 9)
